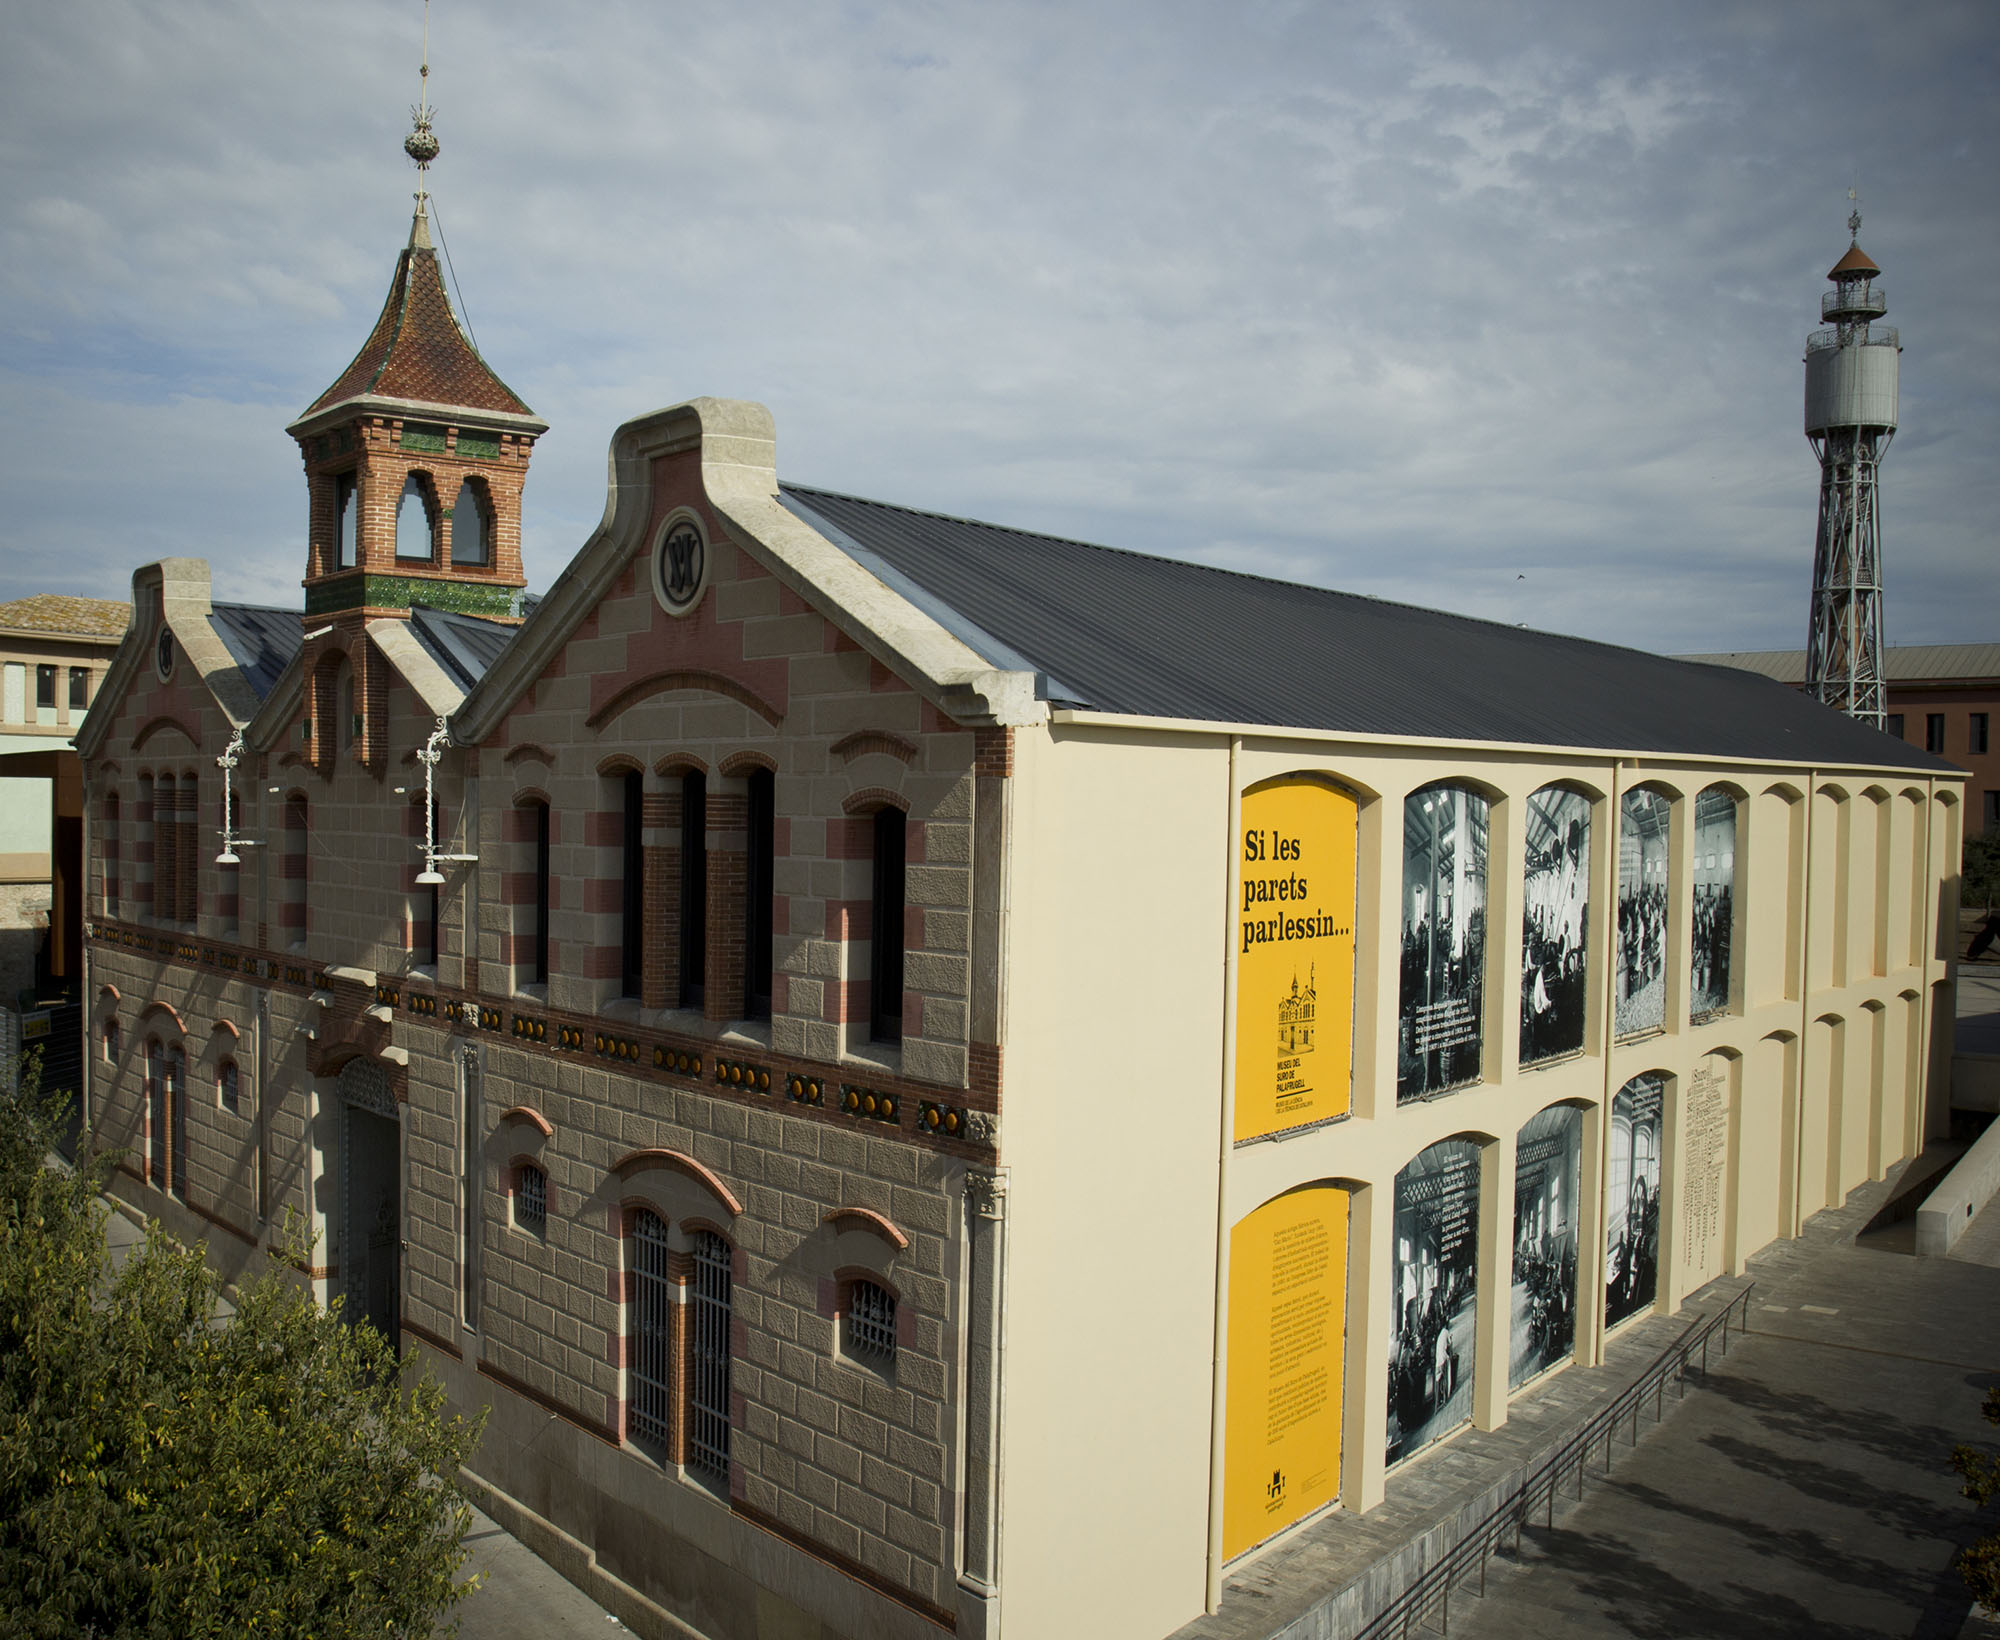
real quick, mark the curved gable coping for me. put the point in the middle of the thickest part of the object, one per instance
(685, 678)
(864, 741)
(433, 685)
(678, 1163)
(866, 1218)
(528, 748)
(169, 1010)
(533, 1117)
(738, 452)
(160, 725)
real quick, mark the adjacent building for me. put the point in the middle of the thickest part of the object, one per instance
(937, 1078)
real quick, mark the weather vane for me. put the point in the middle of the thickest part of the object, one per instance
(422, 144)
(1853, 194)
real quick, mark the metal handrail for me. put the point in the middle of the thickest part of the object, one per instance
(1430, 1595)
(1848, 299)
(1878, 336)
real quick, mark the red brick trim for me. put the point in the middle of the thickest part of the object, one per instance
(432, 1339)
(228, 1025)
(528, 748)
(993, 752)
(621, 763)
(864, 741)
(870, 798)
(166, 1008)
(660, 683)
(866, 1218)
(875, 1581)
(110, 991)
(528, 1114)
(680, 763)
(737, 764)
(686, 1165)
(590, 1426)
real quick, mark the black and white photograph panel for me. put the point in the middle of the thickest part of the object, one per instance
(1555, 924)
(1444, 941)
(1632, 1200)
(1714, 901)
(1644, 819)
(1434, 1288)
(1548, 1170)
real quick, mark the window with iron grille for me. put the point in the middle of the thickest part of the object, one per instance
(531, 1199)
(649, 1415)
(708, 1359)
(868, 1330)
(227, 1084)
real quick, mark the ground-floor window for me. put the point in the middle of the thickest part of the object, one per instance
(708, 1365)
(650, 1415)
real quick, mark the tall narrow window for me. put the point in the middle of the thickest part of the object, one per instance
(111, 862)
(758, 884)
(708, 1363)
(346, 520)
(1976, 738)
(177, 1120)
(531, 1200)
(694, 889)
(885, 928)
(293, 909)
(469, 1135)
(868, 1329)
(1895, 724)
(470, 529)
(413, 521)
(1934, 732)
(156, 1113)
(166, 850)
(228, 1085)
(79, 691)
(539, 931)
(649, 1327)
(45, 694)
(632, 865)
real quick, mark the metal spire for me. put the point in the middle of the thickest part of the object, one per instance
(422, 144)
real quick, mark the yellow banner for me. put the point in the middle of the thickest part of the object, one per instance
(1287, 1357)
(1294, 957)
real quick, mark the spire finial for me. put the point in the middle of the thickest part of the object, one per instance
(1853, 198)
(422, 144)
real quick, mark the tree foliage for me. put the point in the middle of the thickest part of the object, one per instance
(1979, 1562)
(169, 1472)
(1980, 865)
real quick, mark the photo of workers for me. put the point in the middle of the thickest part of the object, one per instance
(1433, 1285)
(1632, 1200)
(1643, 818)
(1555, 923)
(1444, 941)
(1714, 901)
(1548, 1171)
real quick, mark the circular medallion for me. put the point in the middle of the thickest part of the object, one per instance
(680, 566)
(163, 654)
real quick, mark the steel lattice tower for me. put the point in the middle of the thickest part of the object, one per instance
(1851, 373)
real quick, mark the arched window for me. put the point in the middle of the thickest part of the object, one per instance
(111, 1041)
(885, 926)
(1712, 970)
(708, 1358)
(156, 1112)
(346, 522)
(1555, 924)
(413, 521)
(177, 1180)
(1645, 820)
(531, 1200)
(1441, 1023)
(632, 884)
(471, 529)
(868, 1324)
(694, 889)
(146, 819)
(649, 1326)
(538, 838)
(228, 1090)
(347, 723)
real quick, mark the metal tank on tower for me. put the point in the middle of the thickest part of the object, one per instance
(1851, 371)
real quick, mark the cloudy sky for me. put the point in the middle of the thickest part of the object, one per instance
(1493, 307)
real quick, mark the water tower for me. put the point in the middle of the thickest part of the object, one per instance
(1851, 372)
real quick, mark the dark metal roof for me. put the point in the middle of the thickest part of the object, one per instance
(261, 641)
(464, 645)
(1117, 631)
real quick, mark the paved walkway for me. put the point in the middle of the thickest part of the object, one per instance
(1804, 1490)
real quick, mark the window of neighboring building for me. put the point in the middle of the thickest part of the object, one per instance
(1894, 725)
(885, 926)
(346, 522)
(1992, 810)
(1976, 734)
(538, 929)
(694, 889)
(708, 1359)
(79, 688)
(531, 1200)
(45, 689)
(1934, 733)
(758, 884)
(413, 521)
(868, 1325)
(632, 885)
(471, 531)
(649, 1415)
(227, 1085)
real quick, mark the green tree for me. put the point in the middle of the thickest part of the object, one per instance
(1979, 1562)
(1980, 864)
(168, 1471)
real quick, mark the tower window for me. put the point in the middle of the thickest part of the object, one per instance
(346, 522)
(413, 521)
(471, 529)
(885, 933)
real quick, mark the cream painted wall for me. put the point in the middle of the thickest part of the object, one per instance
(1823, 892)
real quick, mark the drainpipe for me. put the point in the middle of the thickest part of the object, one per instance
(1798, 1091)
(1225, 1148)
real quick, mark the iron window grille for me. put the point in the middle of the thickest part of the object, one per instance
(228, 1084)
(531, 1200)
(869, 1329)
(708, 1364)
(650, 1414)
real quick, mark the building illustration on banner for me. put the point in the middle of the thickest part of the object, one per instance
(681, 1009)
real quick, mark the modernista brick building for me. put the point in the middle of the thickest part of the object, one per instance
(937, 1078)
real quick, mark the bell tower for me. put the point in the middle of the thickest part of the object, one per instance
(415, 460)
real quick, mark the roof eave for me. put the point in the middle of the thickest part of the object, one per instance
(377, 404)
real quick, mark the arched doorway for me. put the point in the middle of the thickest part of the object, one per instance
(371, 1221)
